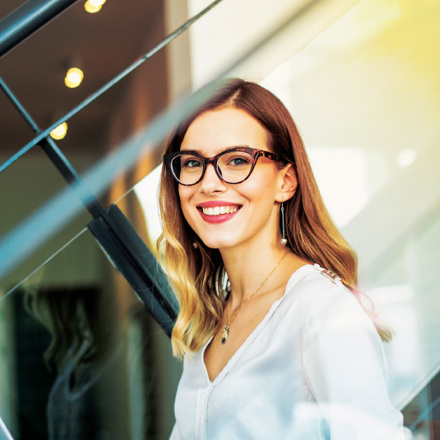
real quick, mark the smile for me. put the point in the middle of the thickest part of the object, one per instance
(219, 210)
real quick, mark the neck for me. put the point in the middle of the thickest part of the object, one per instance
(248, 266)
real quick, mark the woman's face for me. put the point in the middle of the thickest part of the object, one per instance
(224, 215)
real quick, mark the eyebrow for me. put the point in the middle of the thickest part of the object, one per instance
(221, 151)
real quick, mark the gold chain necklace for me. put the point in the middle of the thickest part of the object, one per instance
(225, 332)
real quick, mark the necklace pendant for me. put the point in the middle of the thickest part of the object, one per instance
(225, 334)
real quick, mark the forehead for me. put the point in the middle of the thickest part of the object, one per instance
(213, 131)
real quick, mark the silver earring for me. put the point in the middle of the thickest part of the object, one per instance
(283, 225)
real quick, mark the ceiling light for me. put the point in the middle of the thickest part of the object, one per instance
(92, 6)
(59, 132)
(74, 77)
(96, 2)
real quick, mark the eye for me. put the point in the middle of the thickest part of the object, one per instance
(190, 162)
(238, 160)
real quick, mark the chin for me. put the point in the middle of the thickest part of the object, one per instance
(218, 243)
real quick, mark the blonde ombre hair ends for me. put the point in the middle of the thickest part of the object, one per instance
(197, 273)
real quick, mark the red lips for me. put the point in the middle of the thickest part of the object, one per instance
(216, 211)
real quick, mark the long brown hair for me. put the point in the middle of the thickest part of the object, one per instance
(198, 273)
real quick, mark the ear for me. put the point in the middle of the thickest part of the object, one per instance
(288, 183)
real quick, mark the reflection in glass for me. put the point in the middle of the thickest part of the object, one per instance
(84, 355)
(81, 358)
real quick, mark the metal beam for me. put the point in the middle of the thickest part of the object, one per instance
(132, 258)
(27, 19)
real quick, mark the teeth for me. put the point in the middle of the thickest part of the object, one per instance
(219, 210)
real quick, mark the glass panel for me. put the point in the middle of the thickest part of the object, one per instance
(80, 357)
(140, 205)
(404, 287)
(26, 185)
(40, 213)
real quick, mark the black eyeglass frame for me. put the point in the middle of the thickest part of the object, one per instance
(253, 152)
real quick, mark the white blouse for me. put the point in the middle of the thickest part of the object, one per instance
(314, 368)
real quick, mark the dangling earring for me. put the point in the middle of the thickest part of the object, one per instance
(195, 245)
(283, 225)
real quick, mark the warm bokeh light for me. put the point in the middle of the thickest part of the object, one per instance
(74, 77)
(92, 6)
(59, 132)
(96, 2)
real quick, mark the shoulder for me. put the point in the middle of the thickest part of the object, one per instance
(311, 281)
(312, 287)
(323, 303)
(334, 324)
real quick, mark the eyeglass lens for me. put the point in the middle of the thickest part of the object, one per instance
(232, 167)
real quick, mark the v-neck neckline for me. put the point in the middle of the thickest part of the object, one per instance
(251, 337)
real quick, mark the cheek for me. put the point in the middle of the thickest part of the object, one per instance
(262, 189)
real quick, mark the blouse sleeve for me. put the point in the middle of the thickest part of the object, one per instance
(345, 366)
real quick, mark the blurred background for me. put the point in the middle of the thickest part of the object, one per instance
(80, 355)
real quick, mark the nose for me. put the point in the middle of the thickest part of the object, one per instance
(211, 183)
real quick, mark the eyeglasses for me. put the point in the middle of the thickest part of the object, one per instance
(234, 165)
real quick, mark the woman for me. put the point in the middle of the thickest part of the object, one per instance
(275, 345)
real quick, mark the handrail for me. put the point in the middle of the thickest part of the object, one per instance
(27, 19)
